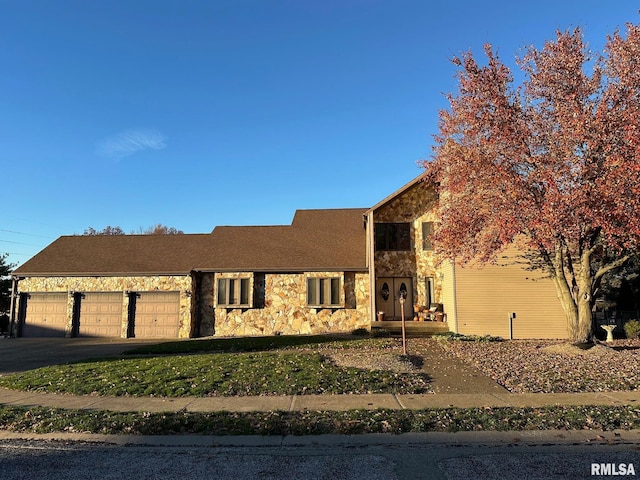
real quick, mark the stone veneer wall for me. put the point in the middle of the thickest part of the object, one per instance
(279, 306)
(164, 283)
(415, 206)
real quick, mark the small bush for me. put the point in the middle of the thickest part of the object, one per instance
(380, 333)
(482, 338)
(632, 329)
(360, 332)
(449, 336)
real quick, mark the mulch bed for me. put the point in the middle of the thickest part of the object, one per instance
(534, 366)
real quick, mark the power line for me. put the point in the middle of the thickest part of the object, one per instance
(22, 233)
(22, 243)
(32, 221)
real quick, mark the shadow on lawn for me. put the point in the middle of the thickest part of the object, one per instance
(240, 344)
(625, 347)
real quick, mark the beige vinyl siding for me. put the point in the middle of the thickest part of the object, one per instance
(485, 297)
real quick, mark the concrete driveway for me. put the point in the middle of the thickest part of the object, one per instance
(20, 354)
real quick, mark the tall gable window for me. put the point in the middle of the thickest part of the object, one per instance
(393, 236)
(323, 292)
(234, 292)
(427, 232)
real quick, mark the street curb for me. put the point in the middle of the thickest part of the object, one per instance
(520, 438)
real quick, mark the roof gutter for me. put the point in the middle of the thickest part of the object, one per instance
(281, 269)
(101, 274)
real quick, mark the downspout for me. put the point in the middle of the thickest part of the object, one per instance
(12, 305)
(196, 278)
(372, 267)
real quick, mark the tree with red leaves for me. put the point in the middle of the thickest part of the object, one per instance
(551, 165)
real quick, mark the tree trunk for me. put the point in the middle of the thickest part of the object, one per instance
(579, 320)
(584, 331)
(576, 301)
(570, 310)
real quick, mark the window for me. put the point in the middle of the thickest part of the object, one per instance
(393, 236)
(427, 232)
(234, 292)
(323, 292)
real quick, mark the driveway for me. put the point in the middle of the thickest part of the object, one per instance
(20, 354)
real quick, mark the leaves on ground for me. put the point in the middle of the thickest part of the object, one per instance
(547, 366)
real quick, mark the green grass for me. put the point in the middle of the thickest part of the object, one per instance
(279, 365)
(255, 344)
(220, 374)
(49, 420)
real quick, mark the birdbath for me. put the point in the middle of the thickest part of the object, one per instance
(609, 329)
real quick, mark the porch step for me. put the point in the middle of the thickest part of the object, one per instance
(413, 329)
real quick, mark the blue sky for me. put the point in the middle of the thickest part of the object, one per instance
(234, 112)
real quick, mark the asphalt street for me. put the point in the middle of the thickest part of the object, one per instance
(30, 459)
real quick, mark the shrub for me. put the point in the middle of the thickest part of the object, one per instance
(380, 333)
(449, 336)
(483, 338)
(360, 332)
(632, 329)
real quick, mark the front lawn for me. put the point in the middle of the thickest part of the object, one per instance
(251, 372)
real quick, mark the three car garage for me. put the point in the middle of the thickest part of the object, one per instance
(100, 314)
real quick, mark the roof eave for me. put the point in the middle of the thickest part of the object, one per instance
(284, 270)
(99, 274)
(397, 193)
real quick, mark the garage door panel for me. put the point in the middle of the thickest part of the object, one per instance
(100, 315)
(157, 315)
(46, 315)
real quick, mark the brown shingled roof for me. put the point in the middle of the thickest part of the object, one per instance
(316, 240)
(119, 254)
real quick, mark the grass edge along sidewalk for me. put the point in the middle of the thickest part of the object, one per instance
(615, 412)
(36, 419)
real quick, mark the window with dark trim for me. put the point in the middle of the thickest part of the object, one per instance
(234, 292)
(323, 292)
(427, 232)
(393, 236)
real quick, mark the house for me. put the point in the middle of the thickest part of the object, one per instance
(329, 270)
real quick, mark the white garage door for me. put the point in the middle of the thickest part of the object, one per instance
(157, 315)
(100, 315)
(46, 315)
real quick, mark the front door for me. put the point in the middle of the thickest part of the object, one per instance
(389, 290)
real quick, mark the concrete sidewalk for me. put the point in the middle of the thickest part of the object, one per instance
(314, 402)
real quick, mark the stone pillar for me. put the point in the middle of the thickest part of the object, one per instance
(124, 330)
(71, 304)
